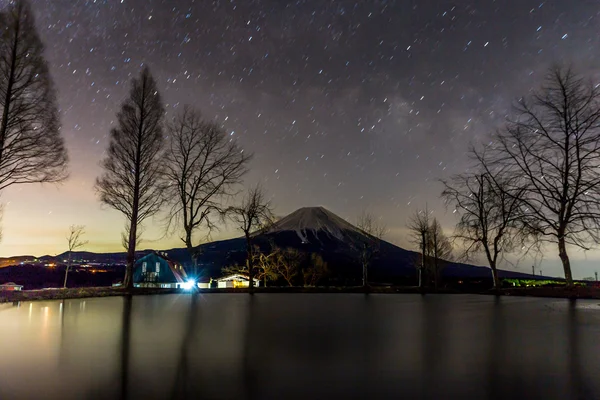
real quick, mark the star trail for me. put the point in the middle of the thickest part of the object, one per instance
(350, 105)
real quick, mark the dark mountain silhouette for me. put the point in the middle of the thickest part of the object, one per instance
(318, 230)
(310, 230)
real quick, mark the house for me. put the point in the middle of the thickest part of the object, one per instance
(10, 286)
(204, 283)
(236, 281)
(157, 270)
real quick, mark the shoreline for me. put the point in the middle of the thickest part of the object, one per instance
(589, 293)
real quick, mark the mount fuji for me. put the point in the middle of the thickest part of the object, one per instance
(318, 230)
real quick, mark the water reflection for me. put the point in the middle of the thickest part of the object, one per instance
(125, 344)
(300, 346)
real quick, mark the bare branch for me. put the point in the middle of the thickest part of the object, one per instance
(132, 181)
(31, 147)
(418, 226)
(203, 167)
(491, 218)
(252, 217)
(75, 242)
(552, 150)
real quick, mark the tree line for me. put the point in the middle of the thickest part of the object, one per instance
(186, 166)
(536, 182)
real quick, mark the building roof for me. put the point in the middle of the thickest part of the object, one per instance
(235, 277)
(10, 284)
(176, 269)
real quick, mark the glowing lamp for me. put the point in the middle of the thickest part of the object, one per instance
(188, 284)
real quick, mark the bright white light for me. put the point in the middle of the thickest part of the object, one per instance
(189, 284)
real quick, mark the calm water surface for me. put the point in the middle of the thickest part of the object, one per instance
(310, 346)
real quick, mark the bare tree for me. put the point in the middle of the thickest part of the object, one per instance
(31, 147)
(75, 242)
(254, 214)
(203, 167)
(133, 168)
(439, 248)
(315, 271)
(489, 215)
(552, 148)
(264, 264)
(288, 263)
(418, 226)
(375, 231)
(125, 236)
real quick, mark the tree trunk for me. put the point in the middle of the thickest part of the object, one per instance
(193, 256)
(435, 272)
(128, 280)
(67, 270)
(495, 276)
(249, 264)
(423, 251)
(562, 253)
(365, 280)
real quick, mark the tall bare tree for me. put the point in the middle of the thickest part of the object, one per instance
(75, 242)
(288, 264)
(254, 214)
(315, 270)
(31, 147)
(203, 167)
(418, 226)
(375, 231)
(132, 181)
(552, 147)
(490, 216)
(265, 266)
(439, 250)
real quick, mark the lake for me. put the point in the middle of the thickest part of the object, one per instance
(300, 346)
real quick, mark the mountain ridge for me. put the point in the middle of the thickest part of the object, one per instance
(310, 230)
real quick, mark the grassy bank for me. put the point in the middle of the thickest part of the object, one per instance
(78, 293)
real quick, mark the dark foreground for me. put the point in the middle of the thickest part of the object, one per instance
(309, 346)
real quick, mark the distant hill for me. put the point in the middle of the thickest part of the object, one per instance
(308, 229)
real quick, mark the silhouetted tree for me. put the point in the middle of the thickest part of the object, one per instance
(552, 148)
(264, 264)
(133, 167)
(31, 147)
(439, 250)
(252, 215)
(418, 226)
(288, 262)
(315, 270)
(490, 216)
(74, 241)
(203, 167)
(375, 231)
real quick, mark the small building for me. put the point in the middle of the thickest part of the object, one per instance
(158, 270)
(236, 281)
(204, 283)
(10, 286)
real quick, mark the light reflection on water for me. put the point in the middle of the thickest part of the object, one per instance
(300, 346)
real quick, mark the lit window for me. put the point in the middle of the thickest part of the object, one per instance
(157, 267)
(144, 267)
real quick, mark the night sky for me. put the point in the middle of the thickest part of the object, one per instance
(353, 106)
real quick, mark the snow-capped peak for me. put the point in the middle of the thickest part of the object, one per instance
(316, 220)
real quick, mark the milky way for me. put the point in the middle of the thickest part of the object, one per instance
(352, 106)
